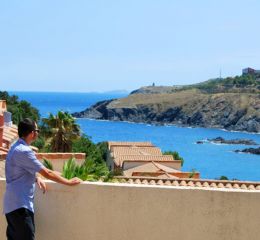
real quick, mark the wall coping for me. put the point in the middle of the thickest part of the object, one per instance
(128, 185)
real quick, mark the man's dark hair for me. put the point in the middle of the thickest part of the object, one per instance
(25, 127)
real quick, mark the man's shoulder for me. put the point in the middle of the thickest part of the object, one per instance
(21, 148)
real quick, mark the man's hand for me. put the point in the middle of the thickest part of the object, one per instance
(56, 177)
(41, 184)
(74, 181)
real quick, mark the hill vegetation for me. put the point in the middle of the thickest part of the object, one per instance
(231, 103)
(239, 84)
(19, 109)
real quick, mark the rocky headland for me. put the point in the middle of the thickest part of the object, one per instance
(212, 104)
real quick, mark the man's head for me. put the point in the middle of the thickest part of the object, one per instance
(27, 129)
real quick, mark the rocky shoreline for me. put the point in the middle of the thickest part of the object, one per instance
(249, 150)
(217, 113)
(220, 140)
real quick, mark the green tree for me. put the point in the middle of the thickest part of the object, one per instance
(175, 155)
(61, 131)
(223, 178)
(19, 109)
(95, 152)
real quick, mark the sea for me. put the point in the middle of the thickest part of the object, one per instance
(211, 160)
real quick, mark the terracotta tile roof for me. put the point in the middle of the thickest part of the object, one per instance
(2, 149)
(119, 160)
(167, 175)
(117, 151)
(150, 167)
(146, 161)
(193, 183)
(10, 134)
(127, 144)
(155, 169)
(165, 168)
(145, 157)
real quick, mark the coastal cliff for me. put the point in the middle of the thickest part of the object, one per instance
(236, 109)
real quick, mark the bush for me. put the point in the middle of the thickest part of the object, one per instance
(175, 155)
(88, 171)
(39, 143)
(223, 178)
(95, 152)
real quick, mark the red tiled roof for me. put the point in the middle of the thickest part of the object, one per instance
(150, 167)
(10, 135)
(127, 144)
(146, 160)
(119, 160)
(117, 151)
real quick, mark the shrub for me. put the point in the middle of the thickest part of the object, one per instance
(223, 178)
(88, 171)
(175, 155)
(47, 164)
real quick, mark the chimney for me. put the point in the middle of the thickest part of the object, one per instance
(1, 129)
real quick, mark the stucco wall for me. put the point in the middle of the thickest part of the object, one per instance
(126, 212)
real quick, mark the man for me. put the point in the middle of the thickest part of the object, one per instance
(21, 169)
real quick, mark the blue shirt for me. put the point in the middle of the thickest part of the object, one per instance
(20, 170)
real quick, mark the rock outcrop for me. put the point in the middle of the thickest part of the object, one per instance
(250, 150)
(221, 140)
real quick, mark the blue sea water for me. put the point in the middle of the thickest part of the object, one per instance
(211, 160)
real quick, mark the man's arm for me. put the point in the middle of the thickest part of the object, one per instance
(54, 176)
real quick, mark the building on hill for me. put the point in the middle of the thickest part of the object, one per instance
(143, 159)
(251, 71)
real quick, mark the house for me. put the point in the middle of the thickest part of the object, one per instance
(143, 159)
(251, 71)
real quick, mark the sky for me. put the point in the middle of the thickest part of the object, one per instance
(105, 45)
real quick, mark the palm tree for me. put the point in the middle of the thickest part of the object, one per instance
(61, 131)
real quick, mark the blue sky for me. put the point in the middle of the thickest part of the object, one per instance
(105, 45)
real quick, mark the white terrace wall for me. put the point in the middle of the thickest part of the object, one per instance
(138, 212)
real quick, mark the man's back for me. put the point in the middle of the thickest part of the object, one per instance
(20, 169)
